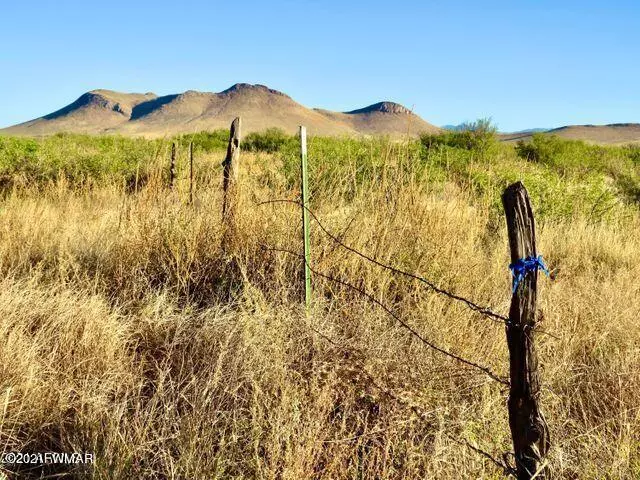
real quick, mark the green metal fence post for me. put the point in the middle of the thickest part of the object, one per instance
(305, 217)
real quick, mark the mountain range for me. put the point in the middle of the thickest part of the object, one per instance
(146, 114)
(150, 115)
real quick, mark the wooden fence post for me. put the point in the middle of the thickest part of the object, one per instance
(172, 165)
(529, 429)
(230, 180)
(305, 217)
(190, 173)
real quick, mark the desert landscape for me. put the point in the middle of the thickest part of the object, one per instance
(319, 240)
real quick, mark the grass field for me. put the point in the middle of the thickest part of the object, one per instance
(128, 331)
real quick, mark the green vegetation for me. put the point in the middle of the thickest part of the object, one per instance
(78, 158)
(581, 161)
(205, 141)
(564, 177)
(271, 140)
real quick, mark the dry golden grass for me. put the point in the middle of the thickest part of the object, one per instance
(129, 332)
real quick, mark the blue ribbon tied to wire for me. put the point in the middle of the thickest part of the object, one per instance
(521, 267)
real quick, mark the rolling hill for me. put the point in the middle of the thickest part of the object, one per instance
(105, 111)
(612, 134)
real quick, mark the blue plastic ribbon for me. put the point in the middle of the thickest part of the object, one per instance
(521, 267)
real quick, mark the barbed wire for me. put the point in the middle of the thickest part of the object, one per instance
(486, 311)
(390, 312)
(508, 470)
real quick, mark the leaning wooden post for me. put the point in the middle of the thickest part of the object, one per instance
(529, 429)
(172, 165)
(230, 178)
(190, 173)
(305, 217)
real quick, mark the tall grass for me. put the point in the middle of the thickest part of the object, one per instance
(128, 331)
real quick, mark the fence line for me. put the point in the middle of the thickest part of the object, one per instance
(529, 431)
(486, 311)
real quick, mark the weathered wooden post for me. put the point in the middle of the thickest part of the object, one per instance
(305, 217)
(172, 165)
(230, 181)
(190, 173)
(529, 429)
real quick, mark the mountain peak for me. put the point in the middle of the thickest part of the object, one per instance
(250, 88)
(118, 96)
(383, 107)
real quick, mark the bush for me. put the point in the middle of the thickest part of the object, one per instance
(478, 136)
(271, 140)
(206, 141)
(633, 151)
(545, 148)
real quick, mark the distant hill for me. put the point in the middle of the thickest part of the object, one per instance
(531, 130)
(612, 133)
(463, 126)
(615, 133)
(383, 117)
(106, 111)
(454, 128)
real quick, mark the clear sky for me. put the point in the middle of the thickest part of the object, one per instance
(524, 63)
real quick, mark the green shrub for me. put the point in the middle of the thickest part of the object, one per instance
(578, 157)
(271, 140)
(478, 136)
(633, 151)
(206, 141)
(548, 149)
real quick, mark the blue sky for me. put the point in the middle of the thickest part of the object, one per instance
(525, 64)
